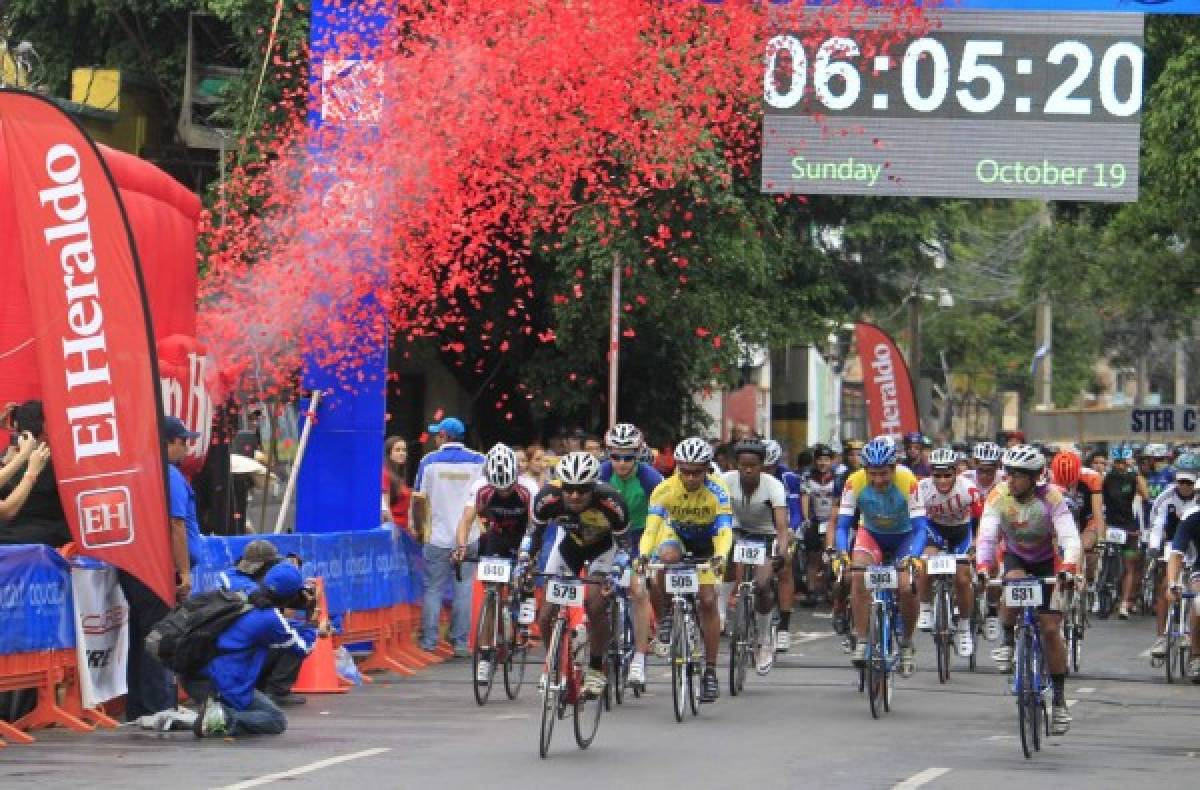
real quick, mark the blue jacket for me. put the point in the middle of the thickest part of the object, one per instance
(236, 581)
(794, 487)
(243, 647)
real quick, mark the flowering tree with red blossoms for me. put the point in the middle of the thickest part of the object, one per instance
(483, 139)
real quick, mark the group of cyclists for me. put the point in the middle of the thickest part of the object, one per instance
(1002, 513)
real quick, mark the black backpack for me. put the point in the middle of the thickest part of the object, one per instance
(186, 639)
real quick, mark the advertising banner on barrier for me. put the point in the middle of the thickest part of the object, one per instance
(62, 221)
(35, 600)
(101, 631)
(891, 404)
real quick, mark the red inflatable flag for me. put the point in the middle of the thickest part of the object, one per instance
(891, 404)
(62, 221)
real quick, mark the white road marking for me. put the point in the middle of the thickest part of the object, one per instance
(1085, 690)
(1000, 737)
(823, 615)
(1145, 653)
(305, 769)
(504, 716)
(922, 778)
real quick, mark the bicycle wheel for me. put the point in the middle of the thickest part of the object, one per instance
(550, 689)
(876, 663)
(737, 657)
(587, 717)
(1026, 716)
(679, 668)
(1172, 645)
(487, 611)
(941, 630)
(514, 669)
(693, 664)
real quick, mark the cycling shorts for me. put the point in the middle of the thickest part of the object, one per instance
(701, 548)
(952, 540)
(1132, 548)
(752, 537)
(885, 547)
(567, 556)
(500, 544)
(1041, 569)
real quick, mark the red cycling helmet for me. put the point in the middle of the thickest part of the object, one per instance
(1065, 469)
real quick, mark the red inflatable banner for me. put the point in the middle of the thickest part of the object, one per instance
(891, 404)
(62, 222)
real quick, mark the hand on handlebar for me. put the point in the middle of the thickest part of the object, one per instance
(717, 566)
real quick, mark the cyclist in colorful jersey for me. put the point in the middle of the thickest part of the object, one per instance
(1120, 486)
(760, 516)
(1185, 548)
(894, 528)
(817, 501)
(952, 506)
(634, 480)
(792, 483)
(593, 526)
(1178, 498)
(1033, 519)
(501, 502)
(1158, 477)
(690, 513)
(986, 472)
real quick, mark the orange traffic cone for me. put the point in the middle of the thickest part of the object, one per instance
(318, 675)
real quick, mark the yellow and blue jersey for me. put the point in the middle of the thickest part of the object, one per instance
(704, 514)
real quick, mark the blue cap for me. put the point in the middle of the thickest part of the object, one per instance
(283, 580)
(173, 428)
(452, 426)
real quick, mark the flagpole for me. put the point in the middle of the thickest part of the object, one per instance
(614, 340)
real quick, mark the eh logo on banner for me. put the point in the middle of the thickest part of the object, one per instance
(105, 517)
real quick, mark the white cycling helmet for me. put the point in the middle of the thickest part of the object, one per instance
(1156, 451)
(578, 469)
(774, 452)
(987, 453)
(693, 451)
(623, 436)
(943, 458)
(500, 466)
(1023, 458)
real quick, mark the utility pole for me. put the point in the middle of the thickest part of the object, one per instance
(1044, 338)
(614, 340)
(1180, 371)
(914, 335)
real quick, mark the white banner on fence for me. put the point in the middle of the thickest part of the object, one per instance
(101, 634)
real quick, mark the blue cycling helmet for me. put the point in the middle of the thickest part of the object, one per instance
(1121, 453)
(880, 451)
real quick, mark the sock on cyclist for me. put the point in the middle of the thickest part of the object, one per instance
(764, 628)
(785, 619)
(1059, 681)
(596, 662)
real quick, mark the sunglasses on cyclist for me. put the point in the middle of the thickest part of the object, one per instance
(579, 489)
(613, 457)
(942, 475)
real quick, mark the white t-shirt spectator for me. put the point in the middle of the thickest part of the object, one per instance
(445, 477)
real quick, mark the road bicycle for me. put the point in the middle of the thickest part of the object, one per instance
(1031, 678)
(681, 581)
(885, 630)
(1108, 580)
(943, 569)
(621, 646)
(748, 553)
(1179, 635)
(498, 626)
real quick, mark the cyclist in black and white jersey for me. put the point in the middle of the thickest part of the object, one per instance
(1169, 508)
(760, 514)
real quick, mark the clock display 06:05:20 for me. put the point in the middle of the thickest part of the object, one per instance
(1015, 76)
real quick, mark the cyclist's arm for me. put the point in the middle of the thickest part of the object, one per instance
(782, 533)
(723, 539)
(656, 517)
(1097, 519)
(794, 500)
(1158, 519)
(464, 524)
(915, 545)
(989, 530)
(845, 518)
(1068, 535)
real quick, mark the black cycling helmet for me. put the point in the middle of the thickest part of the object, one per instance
(752, 446)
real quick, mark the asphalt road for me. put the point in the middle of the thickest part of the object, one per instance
(803, 725)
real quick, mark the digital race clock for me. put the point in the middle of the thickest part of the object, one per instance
(987, 104)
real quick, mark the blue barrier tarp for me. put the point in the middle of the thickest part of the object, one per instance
(35, 600)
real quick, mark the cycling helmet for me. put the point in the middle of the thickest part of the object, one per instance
(500, 466)
(1023, 458)
(623, 436)
(913, 437)
(1066, 468)
(943, 458)
(1157, 450)
(578, 469)
(880, 451)
(987, 453)
(822, 451)
(1187, 467)
(751, 446)
(774, 452)
(693, 451)
(1121, 453)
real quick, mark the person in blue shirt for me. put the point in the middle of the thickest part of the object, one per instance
(282, 667)
(234, 706)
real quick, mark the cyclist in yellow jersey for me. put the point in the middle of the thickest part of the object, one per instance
(690, 512)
